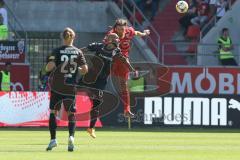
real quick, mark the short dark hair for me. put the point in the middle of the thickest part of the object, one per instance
(8, 64)
(224, 30)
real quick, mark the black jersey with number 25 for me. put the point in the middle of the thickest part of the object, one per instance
(68, 58)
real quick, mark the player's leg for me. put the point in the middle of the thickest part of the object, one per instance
(121, 86)
(55, 104)
(69, 105)
(94, 113)
(71, 129)
(126, 98)
(93, 118)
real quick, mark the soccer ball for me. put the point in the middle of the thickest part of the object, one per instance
(182, 6)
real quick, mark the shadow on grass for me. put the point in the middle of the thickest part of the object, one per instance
(136, 129)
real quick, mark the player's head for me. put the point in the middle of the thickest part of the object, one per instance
(8, 66)
(112, 41)
(68, 36)
(120, 26)
(225, 32)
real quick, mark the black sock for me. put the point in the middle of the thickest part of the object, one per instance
(94, 113)
(71, 124)
(52, 125)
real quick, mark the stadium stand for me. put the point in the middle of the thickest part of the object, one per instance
(41, 33)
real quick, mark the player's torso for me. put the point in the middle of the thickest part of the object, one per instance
(125, 42)
(100, 68)
(66, 59)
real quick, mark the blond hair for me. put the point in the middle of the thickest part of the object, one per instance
(120, 22)
(68, 33)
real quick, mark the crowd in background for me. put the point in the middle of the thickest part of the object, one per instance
(3, 21)
(147, 7)
(200, 11)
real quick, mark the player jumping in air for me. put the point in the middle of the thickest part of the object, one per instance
(98, 74)
(67, 62)
(120, 70)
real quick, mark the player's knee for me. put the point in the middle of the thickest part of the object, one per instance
(71, 117)
(96, 103)
(54, 112)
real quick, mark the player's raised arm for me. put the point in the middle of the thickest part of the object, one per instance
(142, 34)
(92, 47)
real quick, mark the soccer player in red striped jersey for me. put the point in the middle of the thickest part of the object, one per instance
(120, 70)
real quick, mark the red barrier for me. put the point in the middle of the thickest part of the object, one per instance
(23, 109)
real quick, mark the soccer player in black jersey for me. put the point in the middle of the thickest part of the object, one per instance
(99, 71)
(67, 62)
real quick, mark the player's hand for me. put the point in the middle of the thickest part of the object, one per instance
(84, 49)
(50, 66)
(136, 74)
(147, 32)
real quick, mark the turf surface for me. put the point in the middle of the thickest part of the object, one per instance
(121, 144)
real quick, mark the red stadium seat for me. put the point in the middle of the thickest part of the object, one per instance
(193, 32)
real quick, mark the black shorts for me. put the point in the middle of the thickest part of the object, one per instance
(95, 90)
(229, 62)
(57, 100)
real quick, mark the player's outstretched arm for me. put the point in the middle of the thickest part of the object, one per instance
(124, 60)
(84, 49)
(91, 47)
(142, 34)
(129, 65)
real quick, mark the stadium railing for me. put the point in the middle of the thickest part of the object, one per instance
(153, 41)
(195, 54)
(212, 22)
(38, 50)
(16, 28)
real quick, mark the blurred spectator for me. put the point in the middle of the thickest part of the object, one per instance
(145, 6)
(212, 7)
(3, 30)
(202, 13)
(221, 8)
(3, 12)
(225, 49)
(149, 5)
(185, 21)
(5, 78)
(154, 7)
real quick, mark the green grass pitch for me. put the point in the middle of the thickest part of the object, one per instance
(121, 144)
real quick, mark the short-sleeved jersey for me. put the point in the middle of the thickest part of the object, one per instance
(125, 42)
(68, 58)
(100, 71)
(118, 68)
